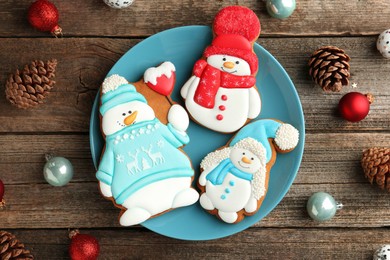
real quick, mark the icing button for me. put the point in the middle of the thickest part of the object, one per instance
(227, 190)
(231, 183)
(219, 117)
(222, 107)
(224, 97)
(223, 197)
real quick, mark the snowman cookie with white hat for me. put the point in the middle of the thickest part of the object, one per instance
(234, 178)
(142, 168)
(221, 94)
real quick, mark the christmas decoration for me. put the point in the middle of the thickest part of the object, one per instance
(118, 4)
(12, 248)
(355, 106)
(383, 43)
(43, 15)
(29, 87)
(329, 68)
(321, 206)
(382, 253)
(58, 171)
(280, 9)
(2, 190)
(83, 246)
(376, 166)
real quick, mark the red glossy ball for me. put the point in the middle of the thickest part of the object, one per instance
(1, 190)
(43, 15)
(354, 106)
(84, 247)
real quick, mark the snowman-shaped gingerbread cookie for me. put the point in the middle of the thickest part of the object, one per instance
(142, 167)
(221, 94)
(234, 178)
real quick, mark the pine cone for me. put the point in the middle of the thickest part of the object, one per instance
(329, 68)
(12, 248)
(376, 166)
(29, 87)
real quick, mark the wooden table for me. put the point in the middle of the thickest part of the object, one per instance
(95, 37)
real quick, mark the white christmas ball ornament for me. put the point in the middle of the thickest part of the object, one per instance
(382, 253)
(118, 4)
(383, 43)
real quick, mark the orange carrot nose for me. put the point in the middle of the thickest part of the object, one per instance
(246, 160)
(131, 118)
(228, 64)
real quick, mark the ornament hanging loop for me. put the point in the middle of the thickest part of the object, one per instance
(73, 233)
(57, 32)
(48, 156)
(339, 205)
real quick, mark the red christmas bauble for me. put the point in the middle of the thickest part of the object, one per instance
(43, 15)
(83, 246)
(355, 106)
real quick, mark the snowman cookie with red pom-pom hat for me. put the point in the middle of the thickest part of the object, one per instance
(221, 94)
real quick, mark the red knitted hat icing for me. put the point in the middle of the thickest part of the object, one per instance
(235, 29)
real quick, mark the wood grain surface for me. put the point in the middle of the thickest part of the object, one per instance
(95, 37)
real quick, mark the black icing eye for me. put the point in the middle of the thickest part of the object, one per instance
(387, 42)
(243, 153)
(123, 114)
(224, 59)
(252, 158)
(129, 111)
(237, 62)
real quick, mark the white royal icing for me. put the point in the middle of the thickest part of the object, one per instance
(214, 158)
(235, 193)
(258, 182)
(157, 197)
(153, 73)
(239, 105)
(178, 118)
(113, 119)
(287, 137)
(112, 82)
(240, 66)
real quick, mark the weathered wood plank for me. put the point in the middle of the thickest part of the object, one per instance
(143, 18)
(330, 163)
(328, 158)
(82, 66)
(83, 63)
(80, 205)
(253, 243)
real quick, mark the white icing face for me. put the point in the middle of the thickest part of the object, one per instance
(230, 64)
(126, 114)
(245, 160)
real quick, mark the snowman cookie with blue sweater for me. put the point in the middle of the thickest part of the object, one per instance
(142, 168)
(234, 178)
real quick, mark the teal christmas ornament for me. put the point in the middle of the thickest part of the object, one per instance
(58, 171)
(280, 9)
(321, 206)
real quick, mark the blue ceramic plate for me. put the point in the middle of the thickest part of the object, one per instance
(183, 46)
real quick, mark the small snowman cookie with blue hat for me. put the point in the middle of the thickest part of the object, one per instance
(234, 178)
(142, 167)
